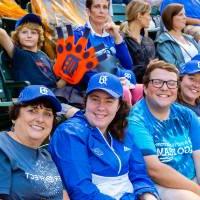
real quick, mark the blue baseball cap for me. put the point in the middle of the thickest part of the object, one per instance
(191, 67)
(36, 92)
(197, 57)
(29, 18)
(106, 82)
(127, 74)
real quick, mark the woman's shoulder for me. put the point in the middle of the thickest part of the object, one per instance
(76, 125)
(164, 37)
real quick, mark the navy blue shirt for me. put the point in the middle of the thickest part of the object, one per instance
(34, 67)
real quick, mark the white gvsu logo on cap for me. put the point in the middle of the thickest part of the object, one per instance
(43, 90)
(103, 79)
(198, 65)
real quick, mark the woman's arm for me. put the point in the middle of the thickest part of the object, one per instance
(196, 157)
(70, 153)
(166, 176)
(6, 42)
(122, 52)
(65, 195)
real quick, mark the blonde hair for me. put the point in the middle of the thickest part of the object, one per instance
(32, 26)
(132, 10)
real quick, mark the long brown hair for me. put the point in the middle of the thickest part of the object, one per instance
(119, 123)
(180, 97)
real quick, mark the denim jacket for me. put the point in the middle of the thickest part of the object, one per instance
(169, 50)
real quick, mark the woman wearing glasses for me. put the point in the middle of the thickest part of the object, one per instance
(167, 134)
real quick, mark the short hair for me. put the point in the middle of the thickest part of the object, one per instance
(88, 3)
(14, 110)
(32, 26)
(160, 64)
(169, 12)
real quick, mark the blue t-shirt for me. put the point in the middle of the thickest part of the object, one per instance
(34, 67)
(192, 7)
(27, 173)
(172, 140)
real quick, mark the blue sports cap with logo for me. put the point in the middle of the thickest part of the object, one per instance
(197, 57)
(191, 67)
(29, 18)
(127, 74)
(106, 82)
(36, 92)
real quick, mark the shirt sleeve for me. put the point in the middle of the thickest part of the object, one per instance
(5, 174)
(123, 55)
(138, 128)
(194, 130)
(138, 174)
(70, 153)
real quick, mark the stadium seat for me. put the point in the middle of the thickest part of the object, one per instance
(119, 13)
(8, 24)
(11, 87)
(5, 123)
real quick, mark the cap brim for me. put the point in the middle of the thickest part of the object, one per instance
(54, 102)
(110, 92)
(190, 73)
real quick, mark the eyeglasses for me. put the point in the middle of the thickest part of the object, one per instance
(157, 83)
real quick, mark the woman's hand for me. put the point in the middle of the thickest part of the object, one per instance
(111, 28)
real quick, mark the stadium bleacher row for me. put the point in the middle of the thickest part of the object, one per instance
(8, 86)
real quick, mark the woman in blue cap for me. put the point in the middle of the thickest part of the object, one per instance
(26, 169)
(93, 152)
(189, 90)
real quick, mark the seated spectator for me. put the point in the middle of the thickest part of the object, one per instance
(167, 134)
(192, 12)
(173, 46)
(93, 152)
(26, 169)
(189, 90)
(103, 30)
(141, 48)
(28, 62)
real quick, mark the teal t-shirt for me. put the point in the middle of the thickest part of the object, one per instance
(172, 140)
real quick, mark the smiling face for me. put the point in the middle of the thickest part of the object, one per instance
(101, 109)
(190, 88)
(179, 20)
(33, 124)
(99, 12)
(160, 98)
(28, 39)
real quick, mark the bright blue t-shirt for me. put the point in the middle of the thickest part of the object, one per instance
(172, 140)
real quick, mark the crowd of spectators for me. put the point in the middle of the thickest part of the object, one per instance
(131, 127)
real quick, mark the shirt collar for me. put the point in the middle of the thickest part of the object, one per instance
(105, 34)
